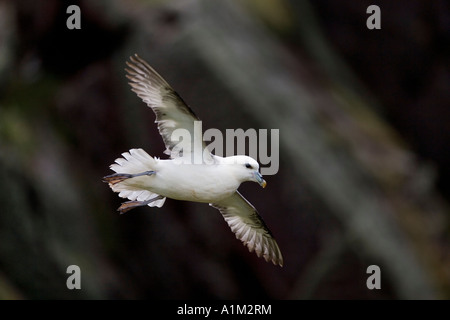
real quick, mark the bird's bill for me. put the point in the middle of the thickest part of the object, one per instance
(260, 179)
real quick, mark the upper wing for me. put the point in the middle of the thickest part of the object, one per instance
(249, 227)
(171, 111)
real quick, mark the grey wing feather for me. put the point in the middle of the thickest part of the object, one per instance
(249, 227)
(171, 111)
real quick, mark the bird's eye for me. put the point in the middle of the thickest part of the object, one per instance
(248, 166)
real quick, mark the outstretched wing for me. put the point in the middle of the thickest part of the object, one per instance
(249, 227)
(171, 111)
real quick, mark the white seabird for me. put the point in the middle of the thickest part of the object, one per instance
(145, 180)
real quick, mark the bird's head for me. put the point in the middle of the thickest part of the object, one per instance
(247, 169)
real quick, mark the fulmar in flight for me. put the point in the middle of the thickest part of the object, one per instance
(145, 180)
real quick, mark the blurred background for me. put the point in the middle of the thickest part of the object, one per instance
(364, 158)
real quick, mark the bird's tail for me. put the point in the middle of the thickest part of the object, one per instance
(134, 162)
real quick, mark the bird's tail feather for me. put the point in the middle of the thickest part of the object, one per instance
(133, 162)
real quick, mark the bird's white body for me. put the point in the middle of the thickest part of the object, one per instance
(212, 182)
(191, 182)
